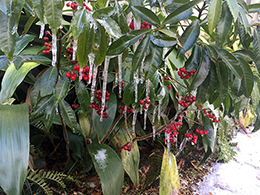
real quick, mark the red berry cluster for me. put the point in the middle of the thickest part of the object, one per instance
(211, 116)
(172, 130)
(169, 87)
(74, 106)
(186, 100)
(73, 75)
(184, 74)
(46, 44)
(128, 147)
(147, 101)
(128, 109)
(74, 5)
(70, 50)
(191, 137)
(166, 78)
(98, 105)
(201, 132)
(144, 25)
(122, 84)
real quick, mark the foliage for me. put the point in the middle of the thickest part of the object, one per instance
(110, 70)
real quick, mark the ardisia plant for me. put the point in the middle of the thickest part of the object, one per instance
(113, 73)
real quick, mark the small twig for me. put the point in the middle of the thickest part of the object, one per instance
(173, 78)
(66, 36)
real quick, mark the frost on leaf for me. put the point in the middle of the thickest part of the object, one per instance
(100, 157)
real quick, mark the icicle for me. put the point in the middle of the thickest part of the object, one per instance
(154, 113)
(134, 119)
(145, 117)
(136, 81)
(91, 58)
(103, 100)
(54, 49)
(159, 110)
(168, 142)
(125, 111)
(116, 79)
(93, 85)
(141, 109)
(80, 74)
(120, 73)
(147, 105)
(137, 24)
(142, 70)
(75, 45)
(42, 30)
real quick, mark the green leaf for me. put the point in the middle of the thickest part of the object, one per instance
(78, 23)
(190, 36)
(254, 8)
(214, 13)
(68, 115)
(139, 52)
(38, 6)
(14, 147)
(102, 3)
(233, 7)
(83, 96)
(146, 15)
(202, 90)
(256, 49)
(99, 47)
(22, 42)
(76, 144)
(174, 16)
(224, 26)
(169, 181)
(28, 24)
(231, 61)
(222, 75)
(153, 61)
(111, 27)
(243, 5)
(108, 166)
(101, 128)
(84, 123)
(12, 78)
(194, 60)
(17, 6)
(48, 81)
(5, 6)
(7, 35)
(201, 72)
(36, 59)
(244, 20)
(4, 61)
(126, 41)
(61, 88)
(129, 93)
(103, 13)
(163, 41)
(53, 14)
(248, 78)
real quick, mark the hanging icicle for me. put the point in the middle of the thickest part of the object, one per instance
(75, 45)
(154, 113)
(159, 110)
(93, 85)
(146, 105)
(42, 30)
(103, 100)
(167, 138)
(136, 81)
(134, 119)
(54, 49)
(120, 59)
(91, 58)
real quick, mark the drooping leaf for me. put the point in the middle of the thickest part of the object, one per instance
(78, 23)
(245, 38)
(53, 14)
(108, 166)
(222, 80)
(35, 58)
(103, 13)
(169, 181)
(14, 147)
(126, 41)
(84, 123)
(163, 41)
(29, 23)
(233, 7)
(17, 6)
(22, 42)
(99, 46)
(61, 88)
(76, 144)
(38, 6)
(102, 3)
(12, 78)
(254, 7)
(202, 90)
(244, 20)
(48, 81)
(256, 43)
(146, 15)
(111, 27)
(129, 93)
(83, 96)
(247, 54)
(190, 36)
(215, 7)
(243, 5)
(4, 61)
(194, 60)
(68, 115)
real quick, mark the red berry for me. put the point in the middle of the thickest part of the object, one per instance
(48, 48)
(166, 78)
(50, 45)
(148, 101)
(145, 106)
(44, 51)
(125, 147)
(75, 106)
(46, 44)
(169, 87)
(84, 3)
(45, 38)
(68, 74)
(48, 51)
(68, 4)
(141, 102)
(88, 8)
(73, 78)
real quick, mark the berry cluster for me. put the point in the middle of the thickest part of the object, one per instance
(171, 130)
(122, 84)
(184, 74)
(74, 106)
(169, 87)
(147, 101)
(201, 132)
(76, 69)
(186, 100)
(211, 116)
(144, 25)
(70, 50)
(46, 44)
(128, 147)
(128, 109)
(191, 137)
(74, 5)
(97, 105)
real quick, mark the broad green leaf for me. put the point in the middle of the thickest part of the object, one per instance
(244, 20)
(224, 26)
(14, 147)
(29, 23)
(7, 35)
(169, 180)
(146, 15)
(167, 32)
(38, 6)
(108, 166)
(222, 75)
(126, 41)
(18, 62)
(245, 38)
(102, 3)
(194, 60)
(48, 81)
(248, 78)
(202, 90)
(243, 5)
(53, 14)
(247, 54)
(256, 44)
(233, 7)
(153, 61)
(76, 144)
(4, 61)
(101, 128)
(12, 78)
(84, 122)
(61, 88)
(231, 61)
(174, 16)
(68, 115)
(254, 8)
(163, 41)
(36, 58)
(129, 93)
(214, 13)
(83, 96)
(103, 13)
(17, 6)
(213, 54)
(22, 42)
(139, 52)
(201, 72)
(77, 23)
(111, 27)
(50, 112)
(190, 36)
(257, 123)
(99, 46)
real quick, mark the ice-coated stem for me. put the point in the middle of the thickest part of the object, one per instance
(80, 74)
(103, 100)
(75, 45)
(136, 81)
(54, 49)
(147, 105)
(134, 119)
(167, 138)
(120, 59)
(154, 113)
(159, 110)
(42, 30)
(93, 85)
(91, 58)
